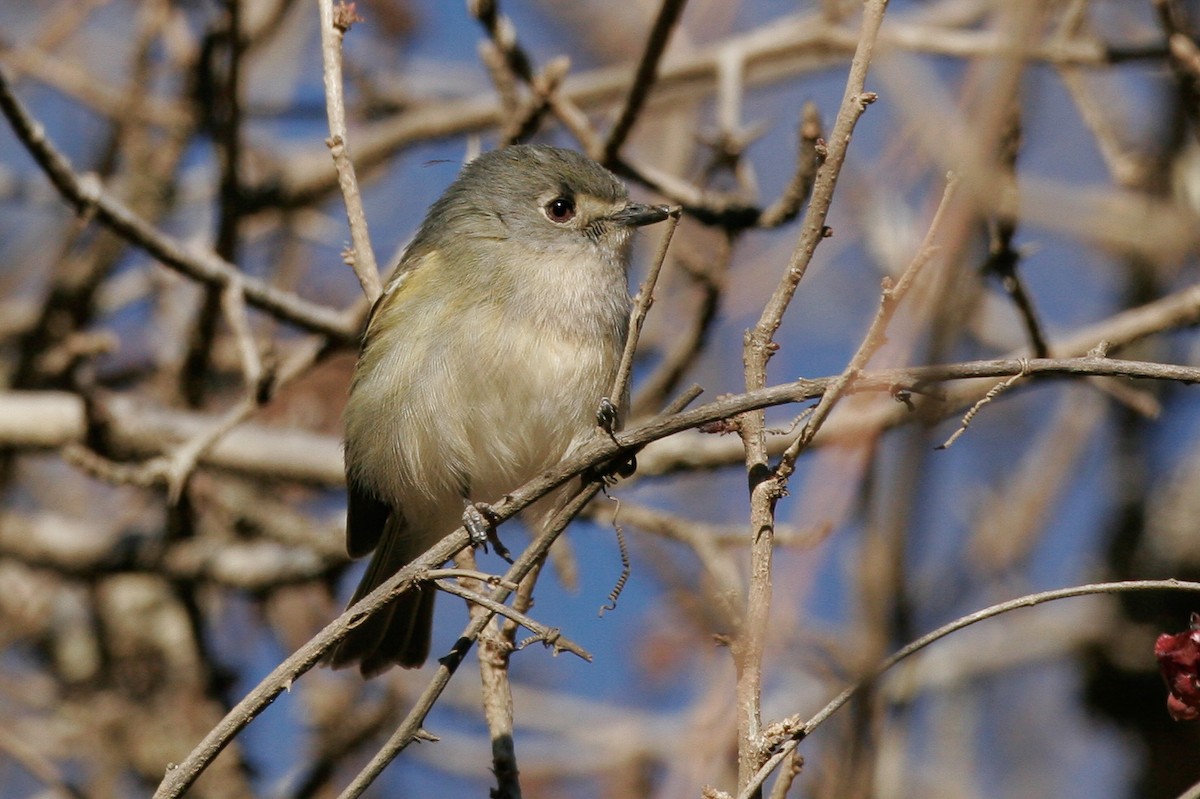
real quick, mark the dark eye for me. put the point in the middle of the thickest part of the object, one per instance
(560, 209)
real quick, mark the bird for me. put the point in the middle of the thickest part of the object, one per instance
(483, 363)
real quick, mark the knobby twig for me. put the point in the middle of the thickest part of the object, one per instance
(749, 644)
(335, 21)
(493, 652)
(470, 573)
(810, 152)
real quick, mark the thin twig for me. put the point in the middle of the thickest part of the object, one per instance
(794, 729)
(472, 574)
(511, 57)
(502, 32)
(889, 301)
(637, 316)
(52, 419)
(43, 769)
(596, 451)
(994, 392)
(794, 764)
(687, 346)
(334, 24)
(1004, 259)
(643, 79)
(551, 637)
(494, 652)
(233, 305)
(174, 467)
(810, 152)
(502, 76)
(178, 467)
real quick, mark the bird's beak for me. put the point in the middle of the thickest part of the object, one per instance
(636, 214)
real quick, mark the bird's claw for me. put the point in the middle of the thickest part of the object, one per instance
(607, 415)
(480, 522)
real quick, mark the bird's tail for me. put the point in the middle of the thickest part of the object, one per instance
(398, 634)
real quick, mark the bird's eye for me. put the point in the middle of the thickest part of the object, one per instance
(560, 209)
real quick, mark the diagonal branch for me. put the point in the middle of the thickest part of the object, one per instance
(86, 196)
(643, 79)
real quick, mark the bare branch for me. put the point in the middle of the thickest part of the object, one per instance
(87, 197)
(643, 79)
(334, 24)
(789, 732)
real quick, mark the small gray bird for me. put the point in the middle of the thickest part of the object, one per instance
(484, 363)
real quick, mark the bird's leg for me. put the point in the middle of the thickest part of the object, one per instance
(621, 466)
(606, 416)
(480, 521)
